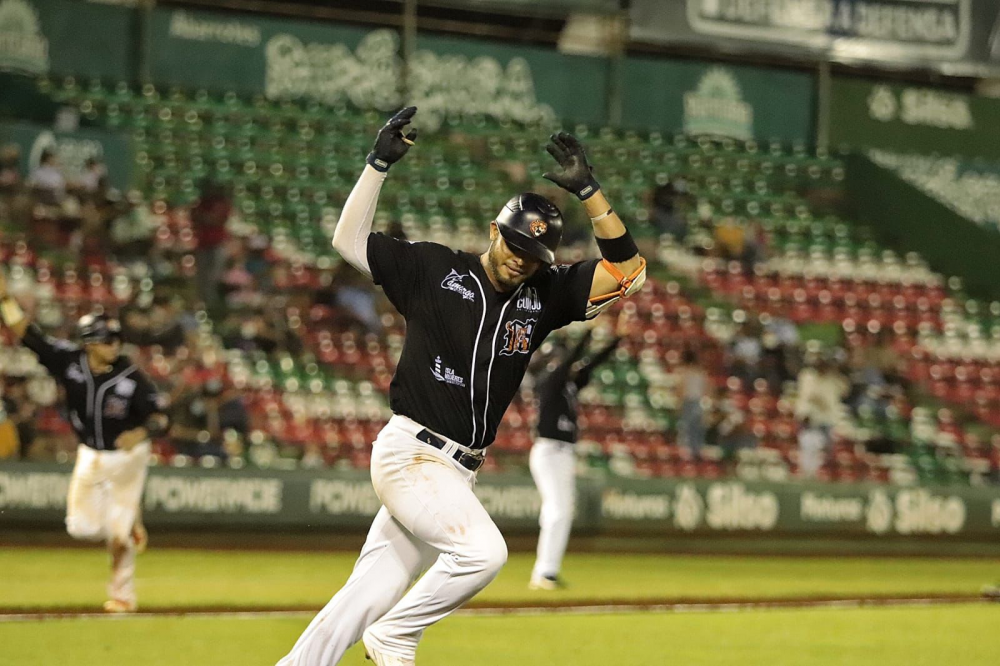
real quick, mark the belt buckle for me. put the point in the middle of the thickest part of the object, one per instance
(477, 461)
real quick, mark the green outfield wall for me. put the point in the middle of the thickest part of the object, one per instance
(907, 219)
(34, 494)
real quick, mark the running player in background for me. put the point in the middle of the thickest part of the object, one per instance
(552, 459)
(112, 406)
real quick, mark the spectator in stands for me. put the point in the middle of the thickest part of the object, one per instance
(132, 226)
(665, 215)
(692, 388)
(780, 353)
(728, 430)
(202, 418)
(754, 246)
(730, 239)
(250, 331)
(348, 291)
(48, 181)
(208, 218)
(15, 203)
(813, 441)
(10, 168)
(745, 353)
(878, 371)
(821, 390)
(93, 182)
(395, 230)
(17, 422)
(165, 327)
(256, 262)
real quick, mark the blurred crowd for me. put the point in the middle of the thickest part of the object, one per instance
(193, 284)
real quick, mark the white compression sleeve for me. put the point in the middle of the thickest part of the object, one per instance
(350, 238)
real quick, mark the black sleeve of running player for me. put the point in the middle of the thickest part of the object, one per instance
(582, 378)
(146, 401)
(561, 374)
(396, 267)
(55, 355)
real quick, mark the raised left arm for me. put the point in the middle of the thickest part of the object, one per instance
(623, 270)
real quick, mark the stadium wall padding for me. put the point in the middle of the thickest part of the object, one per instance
(910, 220)
(34, 494)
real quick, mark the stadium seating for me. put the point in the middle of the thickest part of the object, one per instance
(291, 165)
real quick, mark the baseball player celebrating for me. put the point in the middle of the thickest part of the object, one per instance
(552, 460)
(472, 323)
(111, 405)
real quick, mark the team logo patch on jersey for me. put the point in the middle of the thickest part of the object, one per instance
(126, 388)
(538, 227)
(453, 282)
(115, 408)
(446, 375)
(517, 339)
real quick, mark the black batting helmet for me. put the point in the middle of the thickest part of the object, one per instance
(531, 223)
(96, 327)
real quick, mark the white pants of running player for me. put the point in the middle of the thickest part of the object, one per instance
(553, 467)
(103, 503)
(430, 521)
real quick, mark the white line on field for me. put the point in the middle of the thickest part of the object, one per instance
(525, 611)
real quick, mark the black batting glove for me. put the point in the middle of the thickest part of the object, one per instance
(576, 175)
(390, 143)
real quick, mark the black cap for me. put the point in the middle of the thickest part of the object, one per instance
(533, 224)
(98, 327)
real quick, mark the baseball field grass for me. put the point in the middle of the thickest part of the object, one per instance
(172, 580)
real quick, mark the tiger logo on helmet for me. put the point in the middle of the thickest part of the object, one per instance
(538, 227)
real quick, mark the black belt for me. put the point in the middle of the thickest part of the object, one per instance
(469, 461)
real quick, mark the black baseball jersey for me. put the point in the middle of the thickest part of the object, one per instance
(100, 407)
(557, 392)
(467, 345)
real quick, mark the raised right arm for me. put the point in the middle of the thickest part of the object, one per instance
(350, 238)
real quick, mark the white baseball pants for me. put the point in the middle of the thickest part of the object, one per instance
(430, 521)
(553, 467)
(103, 503)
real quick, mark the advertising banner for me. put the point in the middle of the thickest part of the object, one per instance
(952, 36)
(73, 149)
(56, 36)
(334, 64)
(721, 100)
(847, 510)
(871, 114)
(36, 494)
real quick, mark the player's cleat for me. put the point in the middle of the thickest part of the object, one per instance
(548, 583)
(991, 592)
(380, 658)
(119, 606)
(140, 538)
